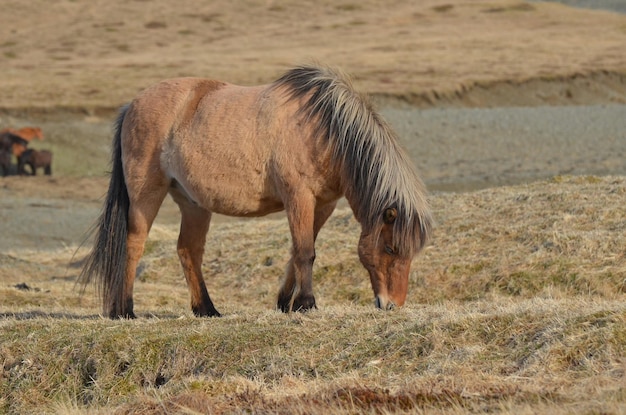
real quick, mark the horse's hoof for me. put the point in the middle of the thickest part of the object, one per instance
(202, 312)
(300, 303)
(284, 302)
(304, 303)
(129, 315)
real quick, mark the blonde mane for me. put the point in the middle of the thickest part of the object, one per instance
(376, 171)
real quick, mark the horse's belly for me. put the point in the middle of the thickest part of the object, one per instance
(231, 196)
(239, 202)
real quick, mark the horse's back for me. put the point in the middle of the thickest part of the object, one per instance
(29, 133)
(45, 157)
(167, 105)
(189, 115)
(24, 133)
(206, 136)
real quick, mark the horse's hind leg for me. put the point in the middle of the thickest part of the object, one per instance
(144, 206)
(194, 226)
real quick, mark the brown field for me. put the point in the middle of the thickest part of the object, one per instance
(518, 306)
(98, 54)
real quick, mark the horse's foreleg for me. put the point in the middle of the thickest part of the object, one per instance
(296, 293)
(194, 226)
(287, 292)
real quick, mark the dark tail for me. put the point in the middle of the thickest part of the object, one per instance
(106, 264)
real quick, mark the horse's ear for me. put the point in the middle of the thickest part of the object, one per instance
(390, 215)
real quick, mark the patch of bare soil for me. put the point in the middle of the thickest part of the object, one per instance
(54, 213)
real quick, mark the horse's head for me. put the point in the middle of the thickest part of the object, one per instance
(37, 133)
(388, 268)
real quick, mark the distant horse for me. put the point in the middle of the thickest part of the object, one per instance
(20, 137)
(299, 144)
(10, 144)
(13, 143)
(26, 133)
(35, 159)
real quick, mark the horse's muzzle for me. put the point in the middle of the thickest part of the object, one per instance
(384, 304)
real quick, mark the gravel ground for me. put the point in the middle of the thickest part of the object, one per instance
(611, 5)
(466, 149)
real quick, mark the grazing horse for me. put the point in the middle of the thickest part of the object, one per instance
(297, 144)
(35, 159)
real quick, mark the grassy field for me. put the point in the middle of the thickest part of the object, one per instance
(98, 54)
(518, 306)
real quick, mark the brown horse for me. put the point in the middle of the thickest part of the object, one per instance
(26, 133)
(35, 159)
(10, 144)
(298, 144)
(19, 139)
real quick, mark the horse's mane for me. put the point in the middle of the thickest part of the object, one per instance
(376, 171)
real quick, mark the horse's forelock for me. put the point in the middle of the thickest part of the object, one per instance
(377, 172)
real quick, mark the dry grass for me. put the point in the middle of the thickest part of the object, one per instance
(517, 307)
(501, 356)
(100, 53)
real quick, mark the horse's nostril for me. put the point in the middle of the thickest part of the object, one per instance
(384, 304)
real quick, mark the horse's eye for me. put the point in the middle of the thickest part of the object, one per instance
(389, 215)
(391, 250)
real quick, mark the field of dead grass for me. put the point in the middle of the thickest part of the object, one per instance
(518, 306)
(98, 54)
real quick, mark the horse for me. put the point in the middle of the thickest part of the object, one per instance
(298, 144)
(20, 138)
(13, 143)
(35, 159)
(10, 144)
(26, 133)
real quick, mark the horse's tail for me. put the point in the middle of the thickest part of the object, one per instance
(106, 264)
